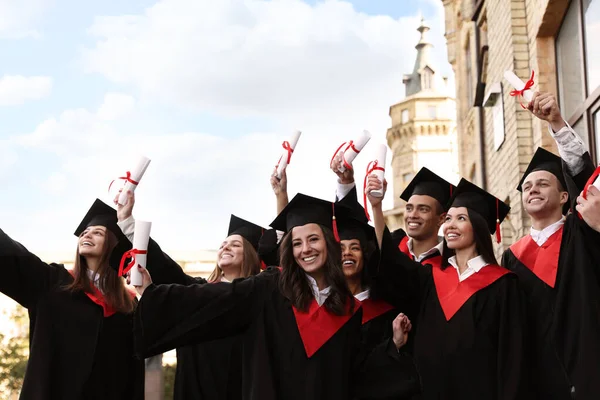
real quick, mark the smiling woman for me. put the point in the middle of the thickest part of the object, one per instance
(81, 320)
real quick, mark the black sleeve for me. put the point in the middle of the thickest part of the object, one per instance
(24, 276)
(163, 269)
(398, 279)
(171, 316)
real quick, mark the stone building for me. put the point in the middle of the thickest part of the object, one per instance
(496, 136)
(423, 131)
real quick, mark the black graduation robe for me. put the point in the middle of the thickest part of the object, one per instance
(562, 283)
(325, 361)
(469, 337)
(210, 370)
(75, 352)
(400, 237)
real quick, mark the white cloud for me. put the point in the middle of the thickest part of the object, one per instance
(17, 89)
(115, 106)
(276, 58)
(19, 18)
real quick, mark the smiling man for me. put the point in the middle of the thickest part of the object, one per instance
(556, 266)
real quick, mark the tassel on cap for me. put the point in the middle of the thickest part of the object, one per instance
(336, 234)
(498, 232)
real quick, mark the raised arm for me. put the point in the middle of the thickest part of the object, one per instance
(171, 316)
(280, 189)
(23, 276)
(162, 267)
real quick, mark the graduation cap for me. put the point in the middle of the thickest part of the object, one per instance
(543, 160)
(492, 209)
(429, 184)
(101, 214)
(249, 231)
(302, 210)
(351, 226)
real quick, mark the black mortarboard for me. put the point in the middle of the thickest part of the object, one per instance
(429, 184)
(351, 226)
(101, 214)
(249, 231)
(492, 209)
(302, 210)
(543, 160)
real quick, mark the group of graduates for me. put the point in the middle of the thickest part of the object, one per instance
(324, 305)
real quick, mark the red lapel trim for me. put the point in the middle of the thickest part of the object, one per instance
(374, 308)
(435, 261)
(453, 294)
(97, 297)
(403, 246)
(318, 325)
(541, 260)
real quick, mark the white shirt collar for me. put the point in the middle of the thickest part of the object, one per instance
(362, 296)
(320, 295)
(95, 279)
(437, 248)
(474, 265)
(540, 237)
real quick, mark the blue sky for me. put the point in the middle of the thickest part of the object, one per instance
(207, 90)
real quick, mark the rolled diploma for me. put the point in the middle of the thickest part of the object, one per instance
(518, 84)
(140, 242)
(359, 143)
(136, 175)
(380, 153)
(283, 161)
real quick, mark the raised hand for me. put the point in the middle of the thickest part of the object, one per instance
(146, 280)
(124, 212)
(545, 107)
(373, 183)
(345, 177)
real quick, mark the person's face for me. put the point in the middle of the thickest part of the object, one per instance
(422, 220)
(457, 228)
(231, 253)
(541, 194)
(91, 241)
(309, 247)
(352, 257)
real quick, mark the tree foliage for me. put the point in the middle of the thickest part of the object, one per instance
(14, 353)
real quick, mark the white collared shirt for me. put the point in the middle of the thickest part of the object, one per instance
(95, 279)
(435, 249)
(362, 296)
(474, 265)
(343, 189)
(540, 237)
(320, 295)
(570, 147)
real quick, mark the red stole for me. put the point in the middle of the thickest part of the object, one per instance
(403, 246)
(97, 297)
(318, 325)
(453, 294)
(374, 308)
(541, 260)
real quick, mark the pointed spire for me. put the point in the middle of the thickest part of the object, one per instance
(423, 29)
(423, 74)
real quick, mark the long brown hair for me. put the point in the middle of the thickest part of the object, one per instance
(250, 263)
(294, 284)
(482, 238)
(112, 286)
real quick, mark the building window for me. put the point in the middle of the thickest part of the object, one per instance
(427, 78)
(432, 112)
(578, 69)
(469, 73)
(404, 116)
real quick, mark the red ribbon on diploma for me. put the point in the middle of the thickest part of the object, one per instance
(527, 86)
(372, 166)
(349, 146)
(129, 254)
(127, 178)
(286, 146)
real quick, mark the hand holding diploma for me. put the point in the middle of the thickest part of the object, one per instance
(132, 178)
(286, 156)
(376, 168)
(349, 150)
(588, 205)
(138, 254)
(522, 89)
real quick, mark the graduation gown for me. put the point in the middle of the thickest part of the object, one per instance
(286, 354)
(75, 352)
(400, 238)
(562, 283)
(469, 336)
(210, 370)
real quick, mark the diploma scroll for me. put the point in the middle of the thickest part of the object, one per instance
(286, 155)
(140, 243)
(379, 167)
(133, 178)
(522, 88)
(351, 150)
